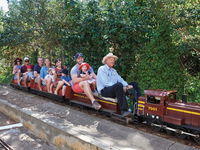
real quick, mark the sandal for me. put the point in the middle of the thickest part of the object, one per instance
(96, 105)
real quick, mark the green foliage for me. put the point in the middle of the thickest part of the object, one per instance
(5, 72)
(157, 41)
(192, 88)
(158, 64)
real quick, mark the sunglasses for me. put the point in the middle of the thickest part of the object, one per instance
(26, 60)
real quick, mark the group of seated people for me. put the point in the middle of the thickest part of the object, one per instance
(107, 82)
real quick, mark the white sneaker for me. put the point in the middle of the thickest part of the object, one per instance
(95, 93)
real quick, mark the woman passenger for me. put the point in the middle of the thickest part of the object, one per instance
(58, 68)
(17, 69)
(58, 71)
(44, 72)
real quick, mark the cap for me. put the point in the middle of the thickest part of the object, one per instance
(26, 58)
(78, 55)
(29, 67)
(84, 64)
(109, 55)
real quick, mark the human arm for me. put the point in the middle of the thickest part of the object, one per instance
(93, 75)
(35, 71)
(14, 69)
(66, 82)
(121, 80)
(42, 73)
(54, 73)
(75, 78)
(83, 75)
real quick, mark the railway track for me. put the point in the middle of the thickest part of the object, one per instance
(4, 145)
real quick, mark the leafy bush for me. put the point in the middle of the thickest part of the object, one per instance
(192, 88)
(157, 41)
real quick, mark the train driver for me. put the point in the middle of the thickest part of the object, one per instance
(111, 84)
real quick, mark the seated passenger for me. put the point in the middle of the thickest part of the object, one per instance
(79, 84)
(58, 71)
(17, 69)
(30, 73)
(110, 83)
(58, 67)
(44, 72)
(36, 70)
(50, 77)
(24, 70)
(84, 71)
(65, 81)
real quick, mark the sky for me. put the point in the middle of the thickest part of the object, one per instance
(4, 5)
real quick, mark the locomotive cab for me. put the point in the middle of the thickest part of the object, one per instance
(172, 97)
(152, 105)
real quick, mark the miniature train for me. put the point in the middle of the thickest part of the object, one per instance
(158, 108)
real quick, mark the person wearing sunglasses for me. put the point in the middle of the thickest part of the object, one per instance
(17, 69)
(24, 72)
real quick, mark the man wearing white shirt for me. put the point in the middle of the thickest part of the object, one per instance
(111, 84)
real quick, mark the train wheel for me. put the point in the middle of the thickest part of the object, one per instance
(179, 135)
(170, 132)
(137, 119)
(197, 139)
(157, 128)
(149, 121)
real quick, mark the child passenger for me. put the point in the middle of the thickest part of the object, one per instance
(65, 81)
(30, 73)
(50, 75)
(84, 71)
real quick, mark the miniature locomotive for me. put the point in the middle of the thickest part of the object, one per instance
(161, 109)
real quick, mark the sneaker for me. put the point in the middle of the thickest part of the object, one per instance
(125, 113)
(96, 105)
(95, 93)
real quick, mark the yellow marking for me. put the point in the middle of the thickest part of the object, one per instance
(142, 102)
(82, 96)
(106, 102)
(140, 108)
(140, 105)
(185, 111)
(153, 108)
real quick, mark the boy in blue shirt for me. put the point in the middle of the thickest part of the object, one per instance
(65, 81)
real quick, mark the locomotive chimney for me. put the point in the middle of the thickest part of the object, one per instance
(184, 98)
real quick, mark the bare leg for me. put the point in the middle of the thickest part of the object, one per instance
(86, 87)
(51, 88)
(87, 90)
(39, 83)
(25, 80)
(60, 84)
(48, 81)
(94, 85)
(63, 90)
(18, 78)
